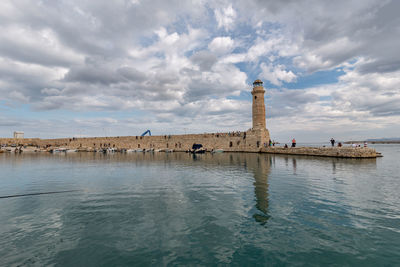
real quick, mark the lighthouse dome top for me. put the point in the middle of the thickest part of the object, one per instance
(257, 83)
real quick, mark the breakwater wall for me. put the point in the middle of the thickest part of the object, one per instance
(338, 152)
(249, 141)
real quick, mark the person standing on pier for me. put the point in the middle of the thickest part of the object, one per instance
(293, 142)
(333, 142)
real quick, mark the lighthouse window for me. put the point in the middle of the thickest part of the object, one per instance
(255, 97)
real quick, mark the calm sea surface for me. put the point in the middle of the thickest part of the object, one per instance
(176, 209)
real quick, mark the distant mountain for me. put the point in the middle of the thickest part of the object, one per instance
(393, 140)
(384, 139)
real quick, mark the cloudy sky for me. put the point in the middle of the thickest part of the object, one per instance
(110, 68)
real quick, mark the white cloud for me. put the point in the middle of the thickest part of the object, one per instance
(50, 91)
(221, 45)
(18, 96)
(36, 46)
(320, 58)
(359, 105)
(276, 74)
(225, 17)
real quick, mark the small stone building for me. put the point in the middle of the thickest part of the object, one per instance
(18, 135)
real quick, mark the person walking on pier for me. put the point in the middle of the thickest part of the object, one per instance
(333, 142)
(293, 142)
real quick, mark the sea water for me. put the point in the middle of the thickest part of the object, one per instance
(163, 209)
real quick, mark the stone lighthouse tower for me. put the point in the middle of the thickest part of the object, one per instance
(258, 105)
(259, 131)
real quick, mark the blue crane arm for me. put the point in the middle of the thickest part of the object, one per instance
(148, 131)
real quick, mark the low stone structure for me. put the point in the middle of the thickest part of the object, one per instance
(249, 141)
(338, 152)
(18, 135)
(229, 142)
(20, 141)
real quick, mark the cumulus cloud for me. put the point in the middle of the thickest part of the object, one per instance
(225, 17)
(221, 45)
(36, 46)
(276, 74)
(204, 59)
(15, 95)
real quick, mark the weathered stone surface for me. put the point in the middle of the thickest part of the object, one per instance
(258, 107)
(250, 141)
(339, 152)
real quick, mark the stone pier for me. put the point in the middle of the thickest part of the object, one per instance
(337, 152)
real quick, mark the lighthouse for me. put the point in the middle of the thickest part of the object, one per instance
(259, 131)
(258, 105)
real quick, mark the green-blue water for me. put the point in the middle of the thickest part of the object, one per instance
(222, 209)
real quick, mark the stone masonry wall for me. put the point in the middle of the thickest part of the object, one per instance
(339, 152)
(236, 142)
